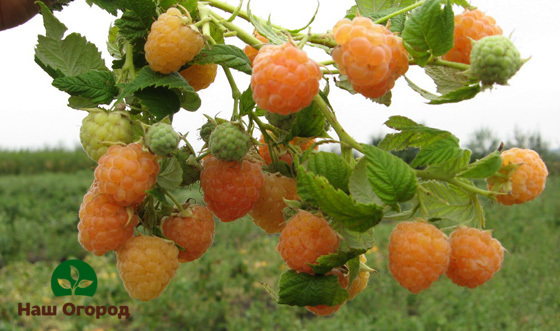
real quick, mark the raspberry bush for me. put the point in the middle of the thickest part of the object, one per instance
(324, 204)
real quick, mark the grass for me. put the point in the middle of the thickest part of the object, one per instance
(223, 290)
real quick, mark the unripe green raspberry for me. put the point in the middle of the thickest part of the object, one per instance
(206, 130)
(494, 59)
(190, 166)
(229, 142)
(161, 139)
(100, 129)
(282, 122)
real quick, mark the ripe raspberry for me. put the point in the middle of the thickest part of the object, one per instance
(360, 282)
(475, 257)
(171, 42)
(229, 142)
(161, 139)
(284, 79)
(146, 265)
(194, 233)
(522, 176)
(104, 224)
(230, 188)
(470, 25)
(305, 238)
(251, 51)
(325, 310)
(190, 166)
(101, 127)
(200, 76)
(125, 173)
(267, 211)
(370, 55)
(418, 255)
(494, 59)
(283, 152)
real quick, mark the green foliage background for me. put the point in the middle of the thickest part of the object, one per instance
(223, 290)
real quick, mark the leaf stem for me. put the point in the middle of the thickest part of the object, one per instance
(454, 181)
(236, 94)
(245, 36)
(173, 199)
(450, 64)
(230, 9)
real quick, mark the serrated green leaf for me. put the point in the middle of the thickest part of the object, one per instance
(424, 93)
(331, 166)
(301, 289)
(353, 239)
(392, 179)
(170, 175)
(265, 28)
(98, 86)
(310, 122)
(368, 7)
(72, 56)
(411, 135)
(359, 186)
(317, 191)
(81, 103)
(326, 263)
(453, 166)
(137, 19)
(398, 122)
(464, 93)
(397, 22)
(483, 168)
(353, 269)
(54, 28)
(226, 55)
(160, 101)
(447, 79)
(438, 152)
(111, 6)
(147, 77)
(429, 31)
(441, 200)
(246, 103)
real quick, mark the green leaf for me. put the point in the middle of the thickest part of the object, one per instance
(437, 152)
(368, 7)
(326, 263)
(447, 79)
(226, 55)
(429, 31)
(359, 185)
(72, 56)
(353, 269)
(147, 77)
(444, 201)
(54, 28)
(301, 289)
(331, 166)
(464, 93)
(74, 273)
(353, 239)
(111, 6)
(397, 22)
(484, 167)
(81, 103)
(391, 178)
(310, 122)
(265, 28)
(170, 175)
(454, 165)
(411, 135)
(99, 86)
(160, 101)
(159, 195)
(317, 191)
(136, 19)
(246, 103)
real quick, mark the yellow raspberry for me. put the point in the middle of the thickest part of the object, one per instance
(171, 42)
(200, 76)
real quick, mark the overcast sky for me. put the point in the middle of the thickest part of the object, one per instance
(34, 113)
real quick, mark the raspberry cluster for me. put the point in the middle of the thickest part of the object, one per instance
(370, 55)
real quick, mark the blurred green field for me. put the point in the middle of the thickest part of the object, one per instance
(223, 290)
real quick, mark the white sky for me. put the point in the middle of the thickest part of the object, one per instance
(35, 114)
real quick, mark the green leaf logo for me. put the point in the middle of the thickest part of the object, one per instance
(74, 277)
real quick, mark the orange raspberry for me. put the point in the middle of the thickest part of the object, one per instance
(370, 55)
(305, 238)
(418, 255)
(470, 25)
(325, 310)
(200, 76)
(267, 211)
(522, 183)
(194, 233)
(475, 257)
(125, 173)
(283, 153)
(284, 79)
(231, 188)
(171, 42)
(146, 265)
(251, 51)
(104, 224)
